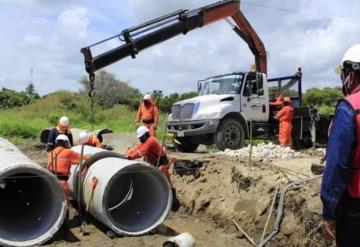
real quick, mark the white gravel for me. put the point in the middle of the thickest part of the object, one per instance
(263, 150)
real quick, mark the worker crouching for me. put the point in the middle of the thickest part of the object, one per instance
(89, 139)
(150, 149)
(60, 160)
(148, 114)
(285, 116)
(63, 127)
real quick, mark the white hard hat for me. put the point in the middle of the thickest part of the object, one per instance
(351, 55)
(64, 121)
(62, 138)
(141, 131)
(147, 97)
(83, 137)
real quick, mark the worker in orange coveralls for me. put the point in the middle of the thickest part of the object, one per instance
(278, 101)
(60, 160)
(154, 153)
(285, 116)
(148, 114)
(86, 138)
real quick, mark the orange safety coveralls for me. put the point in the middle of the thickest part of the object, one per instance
(151, 150)
(285, 116)
(149, 115)
(278, 101)
(60, 160)
(93, 141)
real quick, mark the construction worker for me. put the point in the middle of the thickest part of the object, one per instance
(340, 189)
(285, 116)
(86, 138)
(154, 153)
(278, 102)
(63, 127)
(60, 160)
(148, 114)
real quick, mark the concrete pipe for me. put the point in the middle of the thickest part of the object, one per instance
(130, 198)
(33, 206)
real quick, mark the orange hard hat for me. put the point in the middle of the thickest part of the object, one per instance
(287, 99)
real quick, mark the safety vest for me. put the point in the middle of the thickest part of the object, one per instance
(60, 160)
(147, 114)
(354, 186)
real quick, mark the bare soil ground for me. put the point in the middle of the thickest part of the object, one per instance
(228, 188)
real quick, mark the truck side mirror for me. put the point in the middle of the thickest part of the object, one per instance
(199, 86)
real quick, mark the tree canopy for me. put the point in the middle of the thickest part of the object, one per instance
(110, 91)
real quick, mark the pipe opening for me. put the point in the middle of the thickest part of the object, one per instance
(30, 205)
(137, 198)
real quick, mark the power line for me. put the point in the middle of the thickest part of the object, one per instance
(297, 12)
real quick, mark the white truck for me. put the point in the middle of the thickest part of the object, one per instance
(228, 104)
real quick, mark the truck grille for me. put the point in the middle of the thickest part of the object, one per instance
(182, 111)
(176, 111)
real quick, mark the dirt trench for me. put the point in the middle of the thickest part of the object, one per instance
(226, 189)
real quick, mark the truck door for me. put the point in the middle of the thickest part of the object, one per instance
(254, 101)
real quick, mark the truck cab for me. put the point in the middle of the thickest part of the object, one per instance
(221, 111)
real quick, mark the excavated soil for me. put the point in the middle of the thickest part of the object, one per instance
(228, 188)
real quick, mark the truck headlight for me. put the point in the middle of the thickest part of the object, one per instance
(169, 117)
(207, 115)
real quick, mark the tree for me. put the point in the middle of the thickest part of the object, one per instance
(110, 91)
(327, 96)
(30, 89)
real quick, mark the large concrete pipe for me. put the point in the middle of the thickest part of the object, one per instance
(32, 203)
(130, 198)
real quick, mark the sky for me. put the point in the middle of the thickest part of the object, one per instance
(41, 42)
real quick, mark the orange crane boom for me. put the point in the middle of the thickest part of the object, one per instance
(179, 22)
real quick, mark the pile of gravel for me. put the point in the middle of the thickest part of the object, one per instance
(264, 150)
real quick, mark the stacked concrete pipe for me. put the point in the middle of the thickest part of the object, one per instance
(32, 202)
(130, 198)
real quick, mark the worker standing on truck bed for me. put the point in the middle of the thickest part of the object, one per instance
(154, 153)
(60, 160)
(340, 189)
(285, 116)
(148, 114)
(63, 127)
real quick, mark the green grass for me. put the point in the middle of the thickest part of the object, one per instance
(23, 123)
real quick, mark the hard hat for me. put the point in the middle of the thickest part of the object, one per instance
(141, 131)
(147, 97)
(351, 55)
(61, 138)
(287, 99)
(350, 69)
(64, 121)
(83, 137)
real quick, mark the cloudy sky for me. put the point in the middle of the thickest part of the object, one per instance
(45, 37)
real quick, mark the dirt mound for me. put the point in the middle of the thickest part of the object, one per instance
(229, 189)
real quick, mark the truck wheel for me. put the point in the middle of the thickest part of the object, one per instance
(184, 145)
(230, 134)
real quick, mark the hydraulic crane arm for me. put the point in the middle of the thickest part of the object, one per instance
(180, 22)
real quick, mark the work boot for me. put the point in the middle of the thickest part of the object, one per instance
(176, 203)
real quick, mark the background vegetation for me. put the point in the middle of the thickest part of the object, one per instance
(24, 114)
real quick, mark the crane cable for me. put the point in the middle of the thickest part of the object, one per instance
(91, 95)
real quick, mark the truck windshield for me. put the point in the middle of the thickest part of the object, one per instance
(229, 84)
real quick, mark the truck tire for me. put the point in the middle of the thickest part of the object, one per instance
(184, 145)
(230, 134)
